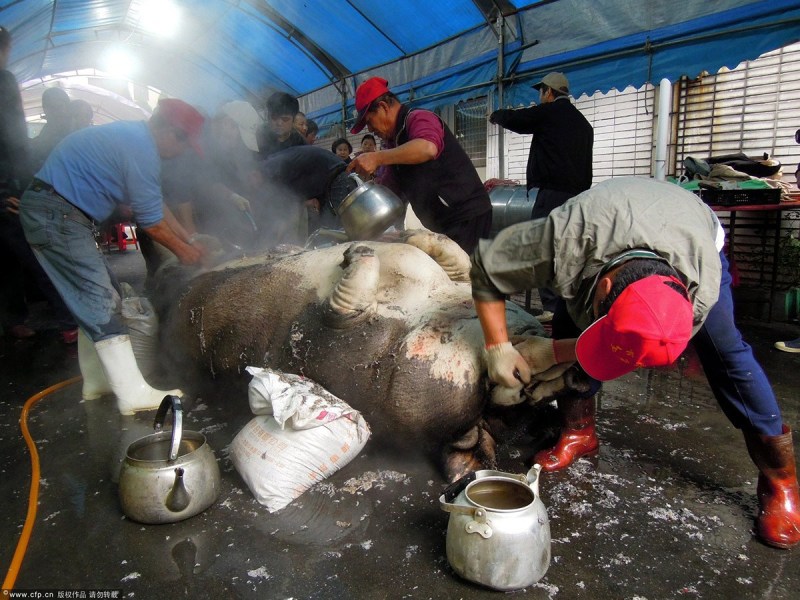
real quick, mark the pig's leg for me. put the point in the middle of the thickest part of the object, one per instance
(473, 451)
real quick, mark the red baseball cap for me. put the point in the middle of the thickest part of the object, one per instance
(648, 325)
(185, 117)
(366, 93)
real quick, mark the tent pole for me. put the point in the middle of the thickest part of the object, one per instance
(343, 92)
(662, 128)
(501, 159)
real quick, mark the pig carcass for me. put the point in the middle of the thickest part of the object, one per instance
(388, 327)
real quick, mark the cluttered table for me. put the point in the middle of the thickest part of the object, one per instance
(759, 227)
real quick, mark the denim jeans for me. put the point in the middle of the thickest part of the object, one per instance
(737, 380)
(62, 238)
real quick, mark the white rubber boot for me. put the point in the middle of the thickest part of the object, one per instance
(95, 383)
(129, 386)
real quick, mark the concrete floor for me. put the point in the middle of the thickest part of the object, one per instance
(665, 511)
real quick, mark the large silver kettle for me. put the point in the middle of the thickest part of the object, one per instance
(498, 534)
(168, 476)
(369, 210)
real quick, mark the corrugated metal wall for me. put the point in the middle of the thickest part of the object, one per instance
(623, 136)
(754, 108)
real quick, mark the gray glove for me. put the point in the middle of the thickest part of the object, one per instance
(211, 244)
(545, 391)
(240, 202)
(538, 352)
(553, 372)
(506, 366)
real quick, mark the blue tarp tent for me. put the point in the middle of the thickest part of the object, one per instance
(432, 52)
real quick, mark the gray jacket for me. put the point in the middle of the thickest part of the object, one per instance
(566, 250)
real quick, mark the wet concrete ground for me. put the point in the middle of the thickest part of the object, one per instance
(665, 511)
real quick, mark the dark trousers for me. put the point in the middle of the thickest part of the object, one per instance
(467, 233)
(546, 201)
(19, 263)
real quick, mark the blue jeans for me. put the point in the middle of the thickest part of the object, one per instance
(737, 380)
(62, 238)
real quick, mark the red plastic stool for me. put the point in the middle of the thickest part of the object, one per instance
(122, 243)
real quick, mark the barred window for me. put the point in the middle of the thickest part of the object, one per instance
(470, 129)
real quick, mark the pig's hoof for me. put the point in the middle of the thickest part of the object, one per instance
(474, 451)
(458, 463)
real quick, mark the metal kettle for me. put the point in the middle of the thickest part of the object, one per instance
(168, 476)
(369, 210)
(498, 534)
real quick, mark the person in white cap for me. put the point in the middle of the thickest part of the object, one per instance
(560, 157)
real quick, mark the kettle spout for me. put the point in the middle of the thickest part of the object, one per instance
(178, 498)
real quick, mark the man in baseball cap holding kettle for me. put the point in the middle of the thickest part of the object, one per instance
(424, 164)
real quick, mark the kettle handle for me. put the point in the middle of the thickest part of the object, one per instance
(358, 179)
(174, 403)
(452, 491)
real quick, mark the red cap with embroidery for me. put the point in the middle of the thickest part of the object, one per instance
(366, 94)
(184, 117)
(648, 325)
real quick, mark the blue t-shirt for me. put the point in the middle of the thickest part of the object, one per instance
(97, 168)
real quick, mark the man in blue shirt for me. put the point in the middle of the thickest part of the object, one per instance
(83, 181)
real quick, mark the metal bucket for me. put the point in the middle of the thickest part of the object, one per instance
(511, 204)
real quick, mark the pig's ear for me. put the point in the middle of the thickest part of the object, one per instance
(354, 297)
(443, 250)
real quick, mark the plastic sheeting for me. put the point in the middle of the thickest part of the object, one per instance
(431, 52)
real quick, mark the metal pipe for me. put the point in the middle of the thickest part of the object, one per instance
(501, 159)
(344, 106)
(662, 128)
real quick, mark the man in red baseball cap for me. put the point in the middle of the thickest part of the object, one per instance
(423, 163)
(639, 269)
(92, 173)
(184, 118)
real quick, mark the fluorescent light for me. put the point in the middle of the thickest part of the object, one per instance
(119, 62)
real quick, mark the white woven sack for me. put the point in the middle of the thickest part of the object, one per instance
(142, 321)
(295, 402)
(278, 464)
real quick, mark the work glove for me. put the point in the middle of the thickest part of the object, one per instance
(240, 202)
(538, 352)
(553, 372)
(493, 118)
(210, 244)
(506, 366)
(545, 391)
(545, 386)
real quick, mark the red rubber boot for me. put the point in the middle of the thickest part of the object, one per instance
(577, 438)
(778, 521)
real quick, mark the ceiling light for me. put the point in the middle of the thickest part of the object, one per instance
(159, 17)
(118, 62)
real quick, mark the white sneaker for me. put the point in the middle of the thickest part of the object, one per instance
(790, 346)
